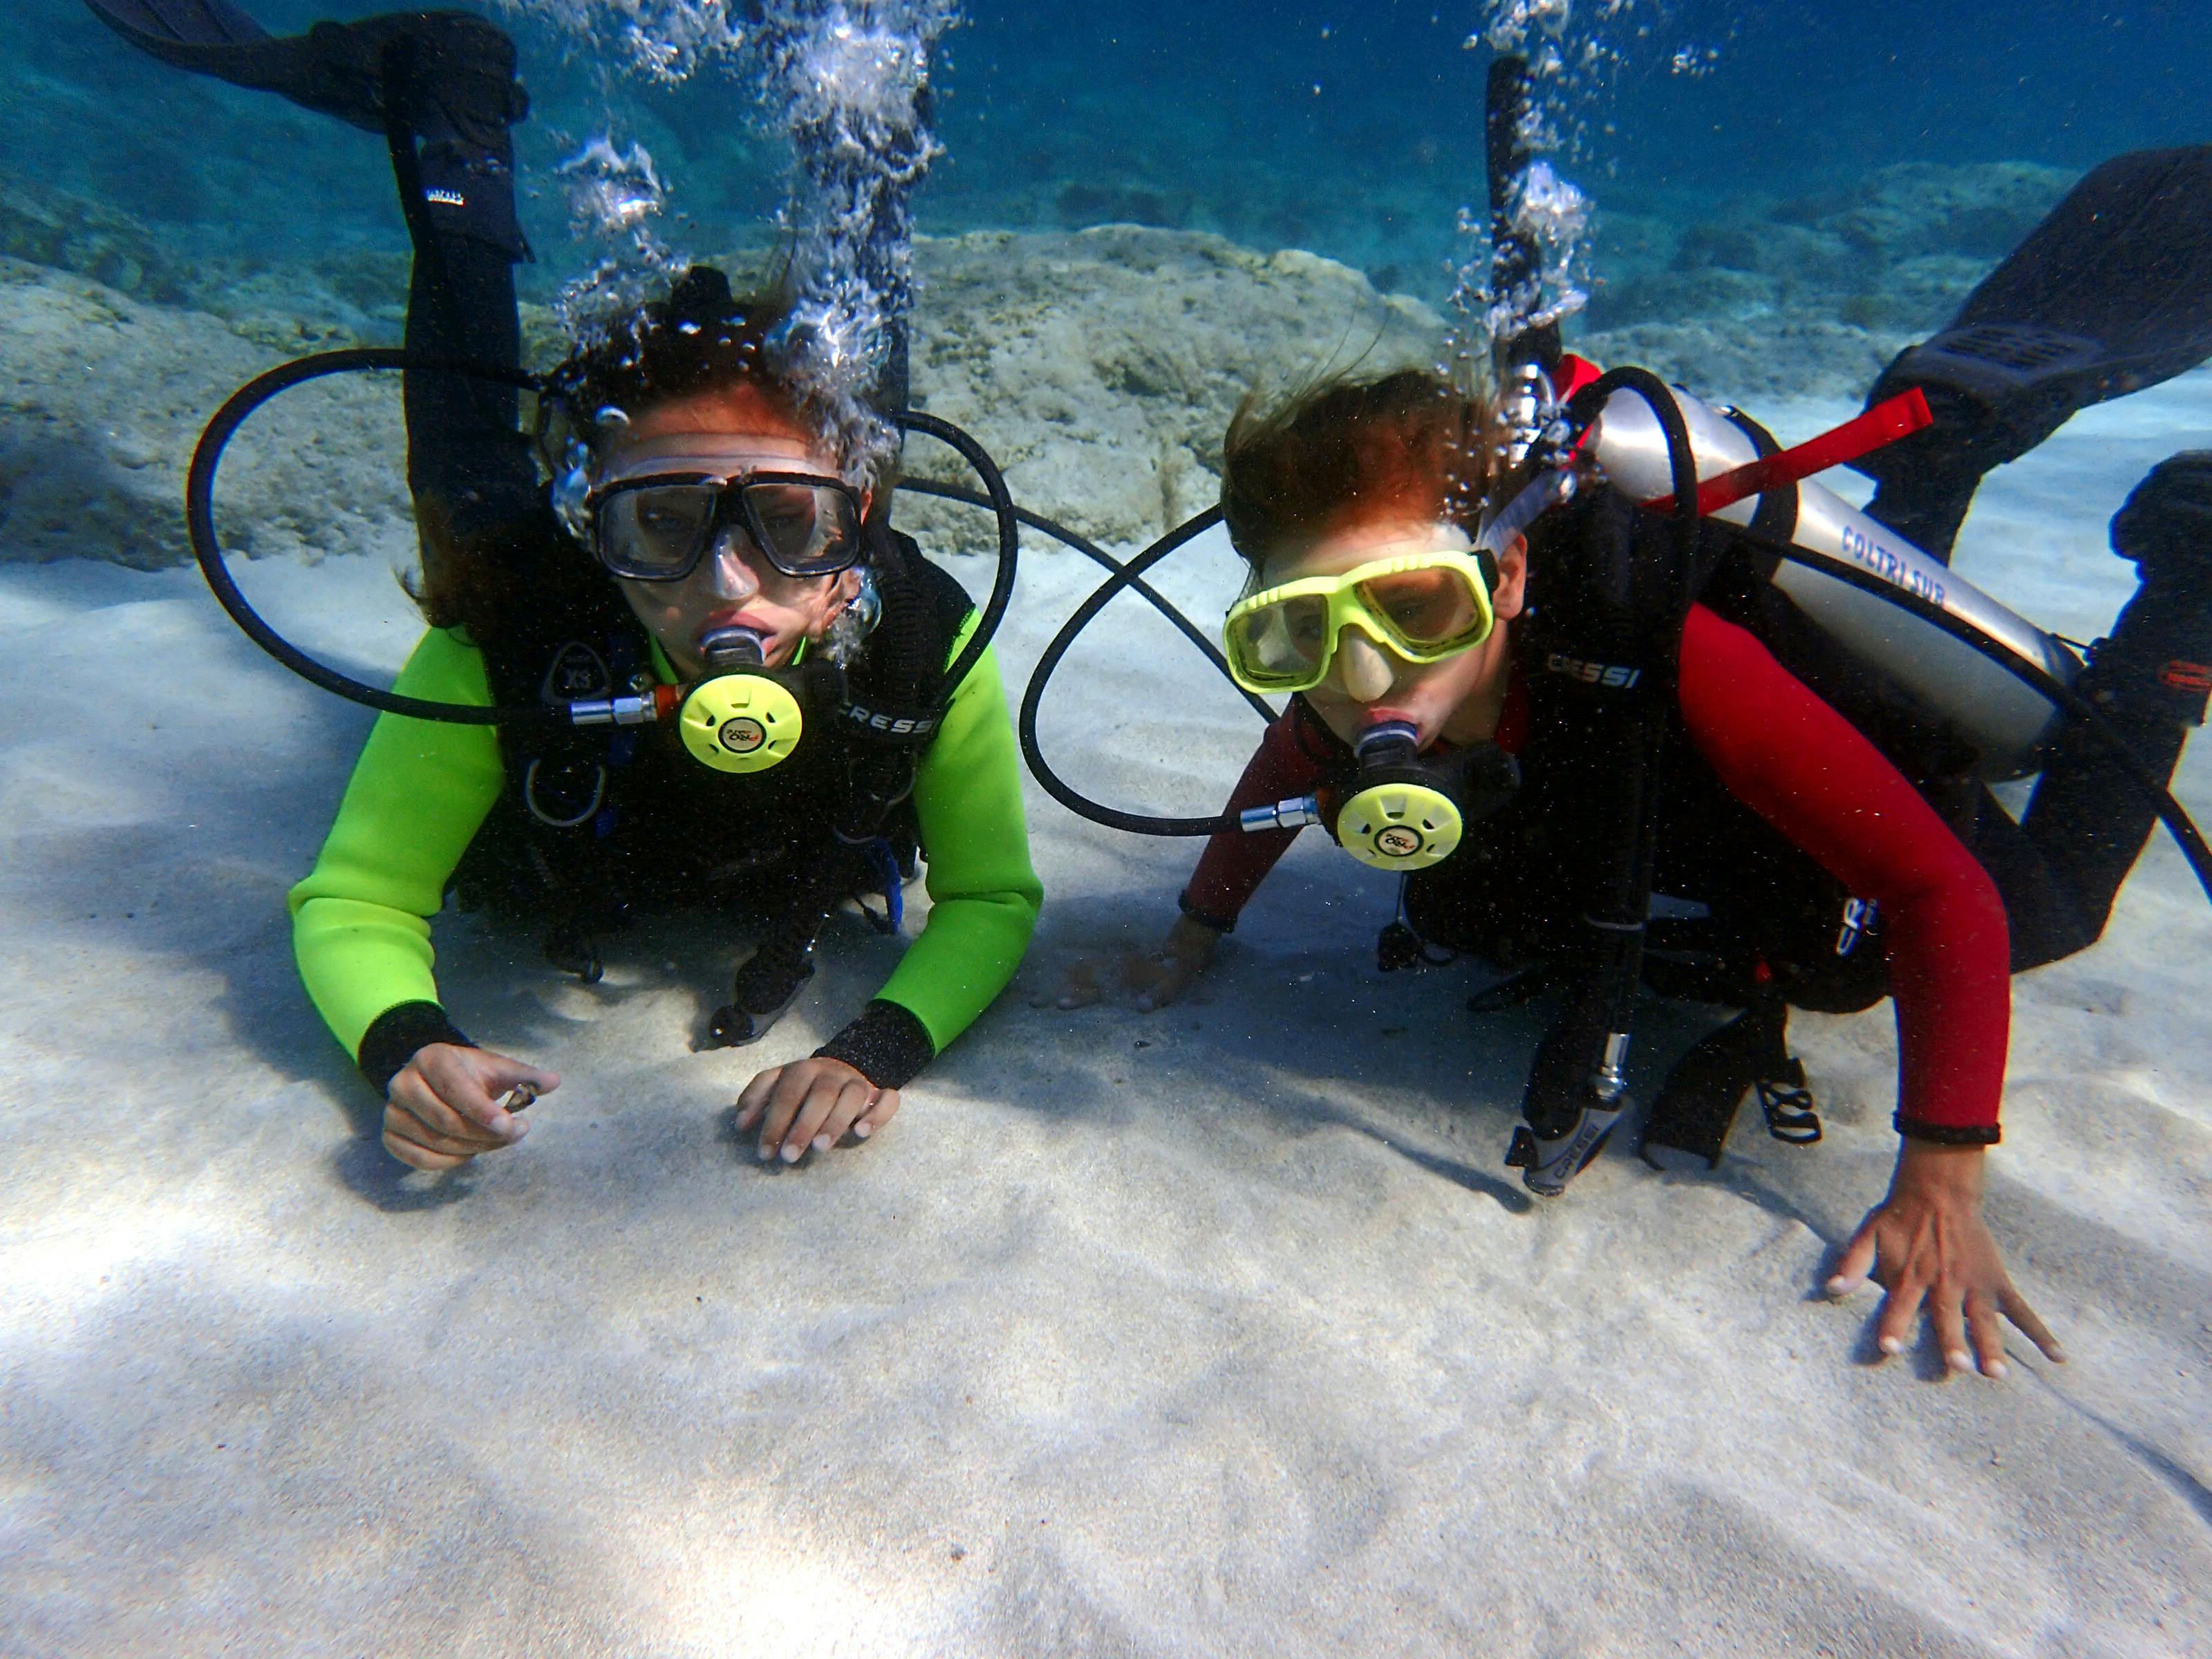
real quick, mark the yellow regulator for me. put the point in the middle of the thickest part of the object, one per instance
(741, 723)
(1401, 826)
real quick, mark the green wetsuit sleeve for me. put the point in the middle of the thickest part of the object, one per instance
(360, 920)
(983, 891)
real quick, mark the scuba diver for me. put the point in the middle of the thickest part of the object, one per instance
(1558, 656)
(705, 529)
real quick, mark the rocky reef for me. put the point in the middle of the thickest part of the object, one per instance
(1100, 366)
(1100, 369)
(1808, 295)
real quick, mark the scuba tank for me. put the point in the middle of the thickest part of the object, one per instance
(2005, 719)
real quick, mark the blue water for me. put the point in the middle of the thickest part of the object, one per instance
(1352, 129)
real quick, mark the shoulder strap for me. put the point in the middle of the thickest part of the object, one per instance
(1609, 596)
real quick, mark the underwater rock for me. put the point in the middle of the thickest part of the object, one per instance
(102, 399)
(1101, 368)
(1799, 296)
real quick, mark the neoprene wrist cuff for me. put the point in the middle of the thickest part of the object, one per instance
(1948, 1134)
(394, 1036)
(888, 1045)
(1184, 904)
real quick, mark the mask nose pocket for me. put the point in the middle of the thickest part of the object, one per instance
(1361, 667)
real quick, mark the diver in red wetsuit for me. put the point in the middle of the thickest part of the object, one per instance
(1812, 871)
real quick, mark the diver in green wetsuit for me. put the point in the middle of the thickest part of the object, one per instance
(707, 519)
(428, 800)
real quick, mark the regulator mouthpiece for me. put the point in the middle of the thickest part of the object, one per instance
(738, 718)
(1399, 820)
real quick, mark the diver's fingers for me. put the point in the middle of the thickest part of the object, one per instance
(1894, 1325)
(814, 1111)
(1988, 1334)
(756, 1096)
(407, 1127)
(502, 1073)
(1080, 987)
(885, 1109)
(417, 1157)
(853, 1099)
(1175, 976)
(404, 1138)
(460, 1077)
(1947, 1308)
(2015, 1308)
(413, 1094)
(1858, 1260)
(784, 1101)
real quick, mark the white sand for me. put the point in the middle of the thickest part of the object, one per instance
(1220, 1331)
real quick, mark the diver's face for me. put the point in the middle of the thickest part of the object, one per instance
(728, 432)
(1370, 685)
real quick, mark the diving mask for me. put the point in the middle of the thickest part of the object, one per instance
(657, 527)
(1421, 607)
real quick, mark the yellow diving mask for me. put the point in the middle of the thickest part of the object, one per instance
(1421, 607)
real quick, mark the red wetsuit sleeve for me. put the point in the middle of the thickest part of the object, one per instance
(1236, 863)
(1808, 772)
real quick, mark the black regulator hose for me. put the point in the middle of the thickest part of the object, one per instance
(1082, 805)
(199, 521)
(242, 405)
(1099, 556)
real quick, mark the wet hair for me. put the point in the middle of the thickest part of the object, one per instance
(702, 337)
(1344, 451)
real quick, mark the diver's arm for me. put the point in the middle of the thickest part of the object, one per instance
(984, 893)
(1808, 772)
(361, 927)
(1234, 863)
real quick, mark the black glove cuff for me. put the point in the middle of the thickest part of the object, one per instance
(394, 1036)
(887, 1044)
(1184, 904)
(1948, 1134)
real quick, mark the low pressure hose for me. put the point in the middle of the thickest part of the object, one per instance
(1127, 576)
(242, 405)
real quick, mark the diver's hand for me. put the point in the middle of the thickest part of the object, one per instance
(1157, 978)
(813, 1104)
(1927, 1241)
(442, 1108)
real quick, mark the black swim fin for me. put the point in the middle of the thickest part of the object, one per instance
(443, 80)
(2111, 294)
(1697, 1106)
(156, 26)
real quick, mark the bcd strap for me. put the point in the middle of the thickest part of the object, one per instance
(1613, 596)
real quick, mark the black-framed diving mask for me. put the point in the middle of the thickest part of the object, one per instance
(657, 527)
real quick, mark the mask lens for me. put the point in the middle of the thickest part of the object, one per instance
(805, 529)
(1283, 644)
(1428, 610)
(655, 534)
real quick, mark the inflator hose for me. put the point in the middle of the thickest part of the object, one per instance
(242, 405)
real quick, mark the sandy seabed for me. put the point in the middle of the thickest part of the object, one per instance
(1216, 1331)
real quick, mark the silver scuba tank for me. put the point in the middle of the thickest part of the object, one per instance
(2004, 717)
